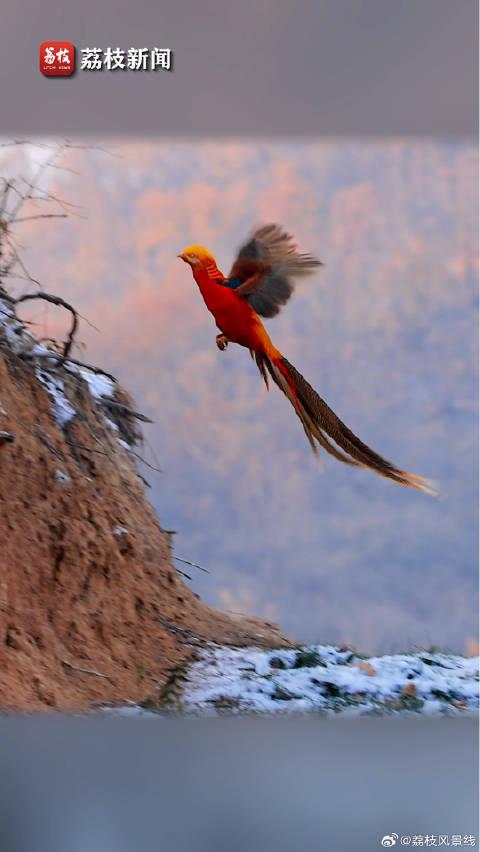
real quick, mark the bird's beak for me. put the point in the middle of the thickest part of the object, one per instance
(181, 256)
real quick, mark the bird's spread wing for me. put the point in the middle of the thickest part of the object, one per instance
(266, 267)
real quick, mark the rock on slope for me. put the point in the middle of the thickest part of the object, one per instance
(91, 607)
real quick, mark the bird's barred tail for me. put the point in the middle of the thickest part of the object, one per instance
(323, 428)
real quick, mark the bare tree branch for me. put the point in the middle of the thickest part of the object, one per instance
(84, 671)
(39, 216)
(56, 300)
(193, 564)
(87, 449)
(18, 142)
(124, 409)
(183, 574)
(60, 359)
(35, 181)
(8, 185)
(139, 457)
(15, 258)
(92, 369)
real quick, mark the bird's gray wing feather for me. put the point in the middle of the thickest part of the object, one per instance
(271, 248)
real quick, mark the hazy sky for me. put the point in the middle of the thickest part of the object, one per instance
(386, 332)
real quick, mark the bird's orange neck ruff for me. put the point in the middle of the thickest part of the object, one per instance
(208, 268)
(209, 280)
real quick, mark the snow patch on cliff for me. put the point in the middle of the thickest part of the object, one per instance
(46, 361)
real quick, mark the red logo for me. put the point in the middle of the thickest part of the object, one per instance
(57, 58)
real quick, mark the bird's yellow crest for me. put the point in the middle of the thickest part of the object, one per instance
(196, 251)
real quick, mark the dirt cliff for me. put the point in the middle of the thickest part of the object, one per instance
(91, 606)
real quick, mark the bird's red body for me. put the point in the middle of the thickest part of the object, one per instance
(234, 316)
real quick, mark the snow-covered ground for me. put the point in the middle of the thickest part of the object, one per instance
(326, 679)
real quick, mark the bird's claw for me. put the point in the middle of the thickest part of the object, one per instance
(222, 342)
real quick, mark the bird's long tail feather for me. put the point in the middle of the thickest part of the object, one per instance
(323, 428)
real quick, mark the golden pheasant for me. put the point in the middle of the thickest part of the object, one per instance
(260, 283)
